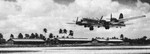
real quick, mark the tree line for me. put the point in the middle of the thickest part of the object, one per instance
(38, 36)
(51, 37)
(138, 41)
(41, 36)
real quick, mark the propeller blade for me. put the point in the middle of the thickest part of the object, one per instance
(97, 18)
(77, 19)
(101, 18)
(110, 17)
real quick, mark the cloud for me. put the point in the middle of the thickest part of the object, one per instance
(29, 16)
(145, 1)
(127, 2)
(64, 2)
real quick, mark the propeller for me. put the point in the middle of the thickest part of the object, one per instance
(101, 17)
(110, 17)
(77, 19)
(97, 18)
(74, 22)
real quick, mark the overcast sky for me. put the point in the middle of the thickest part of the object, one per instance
(27, 16)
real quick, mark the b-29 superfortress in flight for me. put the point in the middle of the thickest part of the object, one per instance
(114, 22)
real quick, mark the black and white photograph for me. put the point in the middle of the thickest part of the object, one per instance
(74, 27)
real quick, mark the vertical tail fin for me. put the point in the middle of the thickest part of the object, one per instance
(77, 19)
(121, 16)
(101, 18)
(111, 16)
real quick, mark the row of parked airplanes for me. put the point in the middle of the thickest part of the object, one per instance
(113, 22)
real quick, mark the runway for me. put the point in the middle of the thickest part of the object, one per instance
(78, 50)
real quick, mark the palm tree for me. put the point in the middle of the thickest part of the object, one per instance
(121, 36)
(27, 36)
(50, 35)
(36, 35)
(2, 41)
(45, 31)
(57, 36)
(60, 31)
(42, 37)
(65, 31)
(67, 37)
(11, 36)
(1, 35)
(63, 36)
(20, 36)
(32, 36)
(71, 33)
(144, 37)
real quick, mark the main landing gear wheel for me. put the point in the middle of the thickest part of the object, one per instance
(91, 28)
(107, 27)
(85, 26)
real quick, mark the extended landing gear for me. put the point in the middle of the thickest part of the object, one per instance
(91, 28)
(119, 27)
(85, 26)
(107, 27)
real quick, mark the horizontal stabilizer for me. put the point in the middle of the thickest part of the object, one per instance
(129, 23)
(131, 18)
